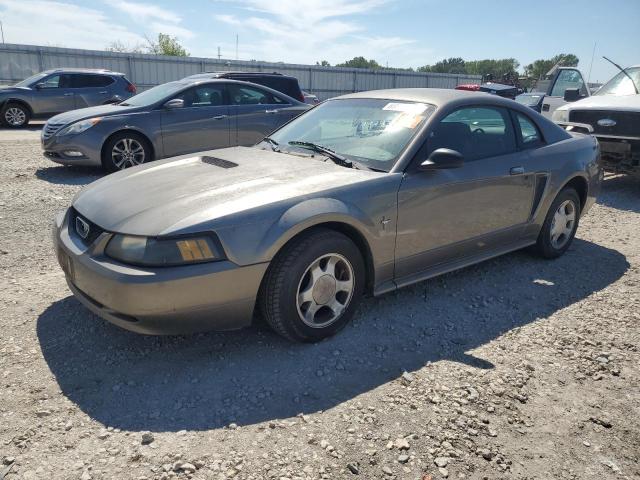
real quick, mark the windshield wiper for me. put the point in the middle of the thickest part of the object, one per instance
(275, 146)
(635, 87)
(335, 157)
(123, 104)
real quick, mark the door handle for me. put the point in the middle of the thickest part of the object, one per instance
(104, 93)
(68, 94)
(219, 117)
(271, 111)
(517, 171)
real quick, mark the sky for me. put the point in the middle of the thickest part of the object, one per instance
(400, 33)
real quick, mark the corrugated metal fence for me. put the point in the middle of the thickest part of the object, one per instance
(20, 61)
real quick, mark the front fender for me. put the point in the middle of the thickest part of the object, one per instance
(309, 213)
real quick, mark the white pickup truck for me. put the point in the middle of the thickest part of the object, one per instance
(612, 115)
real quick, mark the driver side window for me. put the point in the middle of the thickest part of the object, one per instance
(56, 81)
(568, 79)
(475, 132)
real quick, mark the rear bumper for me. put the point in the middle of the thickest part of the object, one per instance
(171, 300)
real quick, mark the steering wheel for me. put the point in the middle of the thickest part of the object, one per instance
(478, 130)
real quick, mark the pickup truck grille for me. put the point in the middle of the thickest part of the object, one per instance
(50, 129)
(627, 123)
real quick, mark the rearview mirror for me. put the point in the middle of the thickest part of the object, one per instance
(174, 103)
(40, 86)
(572, 94)
(443, 158)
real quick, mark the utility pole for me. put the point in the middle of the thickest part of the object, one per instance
(2, 31)
(219, 56)
(236, 46)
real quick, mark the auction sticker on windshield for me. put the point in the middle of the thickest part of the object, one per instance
(415, 108)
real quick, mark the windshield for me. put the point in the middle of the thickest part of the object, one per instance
(154, 95)
(368, 131)
(621, 84)
(528, 99)
(31, 80)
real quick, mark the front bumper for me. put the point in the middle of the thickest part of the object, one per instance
(160, 301)
(54, 149)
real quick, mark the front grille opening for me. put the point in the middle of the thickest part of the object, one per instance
(94, 230)
(218, 162)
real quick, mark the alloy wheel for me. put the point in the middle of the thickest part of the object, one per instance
(325, 290)
(15, 116)
(127, 152)
(562, 224)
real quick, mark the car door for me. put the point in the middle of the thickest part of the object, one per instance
(566, 78)
(203, 123)
(449, 215)
(255, 112)
(53, 95)
(90, 89)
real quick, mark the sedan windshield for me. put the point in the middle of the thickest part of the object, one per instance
(370, 132)
(33, 79)
(621, 84)
(154, 95)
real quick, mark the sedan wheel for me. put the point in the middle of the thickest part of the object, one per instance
(127, 152)
(313, 286)
(325, 290)
(563, 223)
(560, 224)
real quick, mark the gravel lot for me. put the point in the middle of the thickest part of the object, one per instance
(517, 368)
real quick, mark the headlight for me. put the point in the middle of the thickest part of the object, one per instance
(164, 252)
(560, 115)
(79, 127)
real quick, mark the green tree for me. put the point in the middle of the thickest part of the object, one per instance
(448, 65)
(497, 68)
(121, 47)
(360, 62)
(323, 63)
(539, 68)
(166, 45)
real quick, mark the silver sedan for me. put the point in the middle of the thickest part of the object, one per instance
(364, 194)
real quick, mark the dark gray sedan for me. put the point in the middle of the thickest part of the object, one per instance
(168, 120)
(365, 193)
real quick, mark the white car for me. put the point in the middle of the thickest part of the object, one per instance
(612, 115)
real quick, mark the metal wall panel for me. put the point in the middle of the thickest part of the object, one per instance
(20, 61)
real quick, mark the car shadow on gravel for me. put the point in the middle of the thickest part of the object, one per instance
(206, 381)
(621, 192)
(63, 175)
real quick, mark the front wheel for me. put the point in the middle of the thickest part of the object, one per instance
(125, 150)
(560, 225)
(15, 115)
(313, 286)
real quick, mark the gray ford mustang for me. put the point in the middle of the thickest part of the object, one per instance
(364, 194)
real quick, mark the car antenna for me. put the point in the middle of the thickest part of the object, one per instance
(623, 71)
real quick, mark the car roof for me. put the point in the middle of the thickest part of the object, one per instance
(433, 96)
(188, 81)
(223, 74)
(83, 70)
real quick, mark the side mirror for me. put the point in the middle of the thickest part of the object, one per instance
(572, 94)
(443, 158)
(174, 103)
(39, 86)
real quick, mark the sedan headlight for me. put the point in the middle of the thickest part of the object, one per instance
(164, 252)
(79, 127)
(560, 115)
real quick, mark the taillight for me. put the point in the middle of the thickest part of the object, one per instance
(301, 97)
(131, 88)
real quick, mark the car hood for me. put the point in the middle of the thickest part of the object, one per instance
(628, 103)
(172, 195)
(10, 90)
(90, 112)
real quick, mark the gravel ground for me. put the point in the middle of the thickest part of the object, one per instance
(516, 368)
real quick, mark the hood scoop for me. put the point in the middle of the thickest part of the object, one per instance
(218, 162)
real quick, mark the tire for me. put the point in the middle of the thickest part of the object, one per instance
(135, 149)
(291, 315)
(15, 115)
(553, 239)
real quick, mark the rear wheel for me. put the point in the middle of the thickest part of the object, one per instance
(313, 287)
(124, 150)
(560, 225)
(15, 115)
